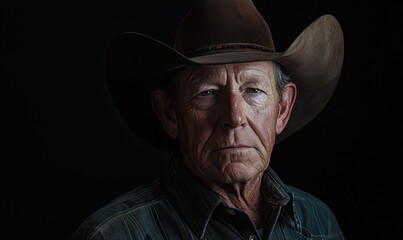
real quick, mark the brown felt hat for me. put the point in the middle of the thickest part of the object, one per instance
(219, 32)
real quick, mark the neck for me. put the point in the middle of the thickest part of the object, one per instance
(245, 196)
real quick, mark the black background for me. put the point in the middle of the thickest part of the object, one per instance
(67, 151)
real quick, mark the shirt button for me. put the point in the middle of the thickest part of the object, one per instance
(230, 211)
(252, 237)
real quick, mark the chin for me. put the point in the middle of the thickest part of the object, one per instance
(239, 172)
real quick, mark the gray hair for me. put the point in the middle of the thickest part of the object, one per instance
(282, 78)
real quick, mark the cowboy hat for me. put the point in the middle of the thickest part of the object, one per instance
(219, 32)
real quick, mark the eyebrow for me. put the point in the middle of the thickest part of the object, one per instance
(255, 80)
(201, 81)
(198, 79)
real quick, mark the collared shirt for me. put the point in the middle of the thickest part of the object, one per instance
(177, 206)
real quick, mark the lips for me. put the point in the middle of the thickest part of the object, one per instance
(232, 148)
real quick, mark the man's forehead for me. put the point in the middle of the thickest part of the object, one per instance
(220, 70)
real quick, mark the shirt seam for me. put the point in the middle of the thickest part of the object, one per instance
(124, 213)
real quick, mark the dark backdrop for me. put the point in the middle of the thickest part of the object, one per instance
(67, 151)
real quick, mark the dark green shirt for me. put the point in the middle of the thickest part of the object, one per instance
(177, 206)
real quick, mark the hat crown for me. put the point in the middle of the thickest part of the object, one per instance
(222, 22)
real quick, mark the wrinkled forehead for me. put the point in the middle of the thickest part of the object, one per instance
(220, 71)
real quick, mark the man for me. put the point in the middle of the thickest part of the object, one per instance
(224, 97)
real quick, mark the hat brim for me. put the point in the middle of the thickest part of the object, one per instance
(135, 63)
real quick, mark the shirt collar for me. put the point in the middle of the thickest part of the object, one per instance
(273, 190)
(197, 203)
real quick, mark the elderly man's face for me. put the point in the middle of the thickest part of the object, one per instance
(226, 118)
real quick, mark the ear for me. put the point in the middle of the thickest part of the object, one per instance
(163, 107)
(285, 106)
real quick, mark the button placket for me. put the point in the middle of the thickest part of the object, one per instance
(230, 211)
(252, 237)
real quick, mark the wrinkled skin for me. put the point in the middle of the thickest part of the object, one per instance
(226, 118)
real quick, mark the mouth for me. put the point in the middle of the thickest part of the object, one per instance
(232, 148)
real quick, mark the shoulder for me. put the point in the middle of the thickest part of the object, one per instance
(123, 214)
(314, 215)
(305, 204)
(302, 198)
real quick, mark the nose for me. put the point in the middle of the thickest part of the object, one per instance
(233, 111)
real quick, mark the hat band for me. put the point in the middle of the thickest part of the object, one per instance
(229, 47)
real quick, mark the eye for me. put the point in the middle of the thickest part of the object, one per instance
(206, 93)
(253, 90)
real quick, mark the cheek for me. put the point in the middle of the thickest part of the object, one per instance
(263, 122)
(194, 131)
(194, 134)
